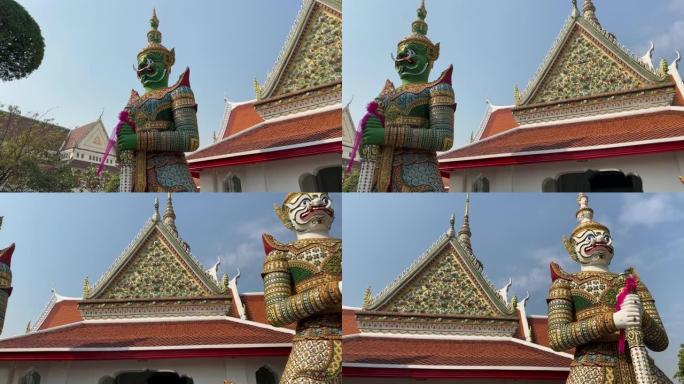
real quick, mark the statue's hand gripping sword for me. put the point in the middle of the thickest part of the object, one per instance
(634, 337)
(126, 159)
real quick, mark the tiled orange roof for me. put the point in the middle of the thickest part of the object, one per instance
(63, 312)
(621, 130)
(149, 334)
(300, 130)
(349, 326)
(241, 117)
(75, 135)
(414, 351)
(499, 121)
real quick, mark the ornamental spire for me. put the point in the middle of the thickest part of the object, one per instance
(154, 42)
(419, 30)
(86, 288)
(419, 26)
(367, 298)
(464, 233)
(155, 215)
(590, 12)
(170, 215)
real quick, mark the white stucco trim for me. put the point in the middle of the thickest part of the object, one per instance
(352, 308)
(458, 367)
(457, 338)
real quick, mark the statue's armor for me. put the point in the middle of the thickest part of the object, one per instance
(166, 126)
(419, 121)
(301, 283)
(581, 307)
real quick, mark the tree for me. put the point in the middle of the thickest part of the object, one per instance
(29, 154)
(351, 181)
(21, 43)
(87, 180)
(680, 367)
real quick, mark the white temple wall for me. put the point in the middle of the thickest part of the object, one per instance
(270, 176)
(658, 172)
(239, 370)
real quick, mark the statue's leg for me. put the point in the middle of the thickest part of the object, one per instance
(588, 375)
(314, 362)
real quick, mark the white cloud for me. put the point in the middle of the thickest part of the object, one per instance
(536, 277)
(649, 210)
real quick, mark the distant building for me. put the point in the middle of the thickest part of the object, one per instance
(85, 146)
(290, 137)
(595, 118)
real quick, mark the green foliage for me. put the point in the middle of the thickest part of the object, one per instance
(680, 366)
(21, 43)
(87, 180)
(29, 154)
(351, 181)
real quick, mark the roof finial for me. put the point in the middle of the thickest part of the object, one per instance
(367, 298)
(86, 288)
(590, 12)
(170, 215)
(155, 215)
(258, 89)
(575, 10)
(517, 95)
(663, 68)
(452, 221)
(464, 233)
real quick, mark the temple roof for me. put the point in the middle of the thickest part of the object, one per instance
(303, 130)
(238, 117)
(156, 274)
(312, 54)
(445, 291)
(77, 135)
(564, 137)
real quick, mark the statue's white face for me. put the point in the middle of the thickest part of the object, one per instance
(594, 246)
(310, 212)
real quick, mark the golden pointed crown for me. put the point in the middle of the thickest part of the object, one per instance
(154, 42)
(282, 210)
(419, 29)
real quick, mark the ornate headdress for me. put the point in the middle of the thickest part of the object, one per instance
(154, 39)
(585, 218)
(419, 34)
(282, 210)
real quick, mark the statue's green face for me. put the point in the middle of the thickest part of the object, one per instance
(412, 63)
(152, 71)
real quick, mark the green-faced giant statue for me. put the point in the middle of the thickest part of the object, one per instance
(412, 122)
(161, 124)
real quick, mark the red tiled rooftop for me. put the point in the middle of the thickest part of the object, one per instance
(241, 117)
(64, 312)
(299, 130)
(499, 121)
(349, 326)
(414, 351)
(620, 130)
(152, 334)
(75, 135)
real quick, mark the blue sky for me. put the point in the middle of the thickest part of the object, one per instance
(61, 239)
(517, 235)
(493, 44)
(91, 47)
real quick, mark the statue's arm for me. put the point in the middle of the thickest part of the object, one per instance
(185, 138)
(655, 336)
(564, 332)
(440, 135)
(282, 306)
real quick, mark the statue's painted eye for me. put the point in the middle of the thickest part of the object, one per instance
(306, 201)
